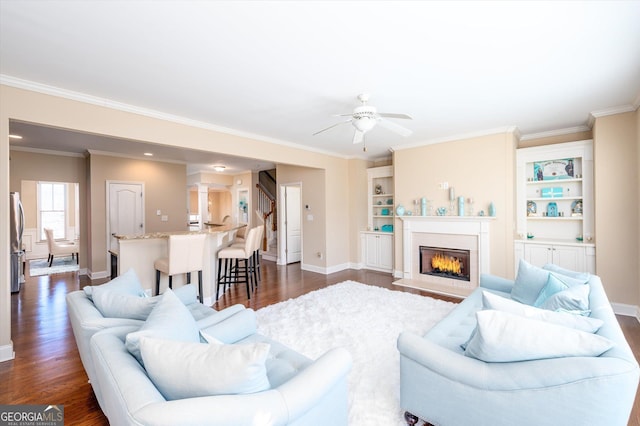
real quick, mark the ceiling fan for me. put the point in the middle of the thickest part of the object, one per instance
(364, 118)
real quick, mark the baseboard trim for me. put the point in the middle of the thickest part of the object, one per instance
(324, 270)
(626, 310)
(7, 353)
(96, 275)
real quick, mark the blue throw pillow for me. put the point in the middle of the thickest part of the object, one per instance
(170, 320)
(529, 282)
(574, 299)
(583, 277)
(127, 283)
(553, 286)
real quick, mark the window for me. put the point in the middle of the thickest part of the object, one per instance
(52, 209)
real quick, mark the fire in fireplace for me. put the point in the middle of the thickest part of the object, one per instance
(445, 262)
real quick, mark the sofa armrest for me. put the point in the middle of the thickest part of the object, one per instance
(310, 385)
(495, 282)
(263, 408)
(233, 328)
(506, 376)
(219, 316)
(283, 405)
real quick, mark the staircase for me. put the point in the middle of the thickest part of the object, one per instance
(267, 207)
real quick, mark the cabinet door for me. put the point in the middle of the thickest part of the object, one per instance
(569, 257)
(371, 250)
(538, 255)
(385, 251)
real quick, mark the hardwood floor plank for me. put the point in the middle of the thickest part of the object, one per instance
(47, 368)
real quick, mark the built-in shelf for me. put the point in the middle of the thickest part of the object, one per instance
(561, 222)
(377, 240)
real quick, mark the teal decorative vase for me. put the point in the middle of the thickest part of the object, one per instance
(492, 209)
(400, 210)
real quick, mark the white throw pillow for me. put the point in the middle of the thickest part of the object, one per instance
(587, 324)
(189, 370)
(169, 320)
(506, 337)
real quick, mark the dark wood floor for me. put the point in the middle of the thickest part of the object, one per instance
(47, 367)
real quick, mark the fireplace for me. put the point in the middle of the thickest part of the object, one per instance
(463, 243)
(445, 262)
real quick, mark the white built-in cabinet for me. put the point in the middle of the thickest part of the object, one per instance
(378, 251)
(555, 212)
(377, 240)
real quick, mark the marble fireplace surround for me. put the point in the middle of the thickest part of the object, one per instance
(457, 232)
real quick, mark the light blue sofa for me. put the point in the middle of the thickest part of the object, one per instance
(302, 391)
(86, 320)
(442, 386)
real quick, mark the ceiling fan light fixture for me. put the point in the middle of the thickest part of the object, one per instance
(364, 124)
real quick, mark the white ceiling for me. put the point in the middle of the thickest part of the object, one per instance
(279, 70)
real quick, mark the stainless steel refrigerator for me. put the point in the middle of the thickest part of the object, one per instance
(16, 221)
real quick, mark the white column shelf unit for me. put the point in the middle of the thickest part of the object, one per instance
(377, 240)
(554, 205)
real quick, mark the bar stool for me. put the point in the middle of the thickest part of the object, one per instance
(185, 255)
(232, 257)
(241, 233)
(256, 253)
(254, 267)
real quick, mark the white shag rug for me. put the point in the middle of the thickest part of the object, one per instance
(366, 320)
(38, 267)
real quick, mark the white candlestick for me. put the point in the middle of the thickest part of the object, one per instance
(452, 194)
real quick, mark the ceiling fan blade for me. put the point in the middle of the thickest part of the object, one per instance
(402, 131)
(392, 115)
(358, 136)
(332, 126)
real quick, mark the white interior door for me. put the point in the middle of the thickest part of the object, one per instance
(293, 224)
(125, 210)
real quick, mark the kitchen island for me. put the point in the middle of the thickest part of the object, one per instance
(139, 252)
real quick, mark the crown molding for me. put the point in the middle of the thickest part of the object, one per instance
(108, 103)
(46, 151)
(612, 111)
(558, 132)
(461, 136)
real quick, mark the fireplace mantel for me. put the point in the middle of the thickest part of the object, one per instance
(475, 219)
(471, 229)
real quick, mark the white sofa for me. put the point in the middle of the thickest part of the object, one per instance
(301, 391)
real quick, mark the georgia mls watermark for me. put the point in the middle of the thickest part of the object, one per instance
(31, 415)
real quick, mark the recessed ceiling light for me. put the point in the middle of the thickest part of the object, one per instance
(149, 154)
(15, 137)
(219, 168)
